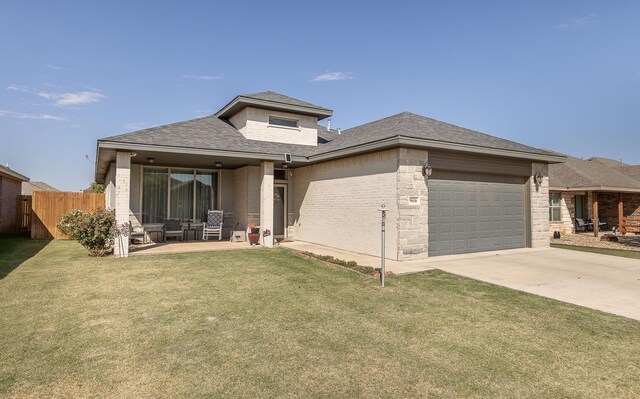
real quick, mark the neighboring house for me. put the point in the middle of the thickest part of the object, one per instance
(29, 187)
(264, 160)
(596, 188)
(10, 186)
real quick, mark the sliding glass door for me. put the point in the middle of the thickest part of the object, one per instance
(154, 201)
(175, 193)
(181, 198)
(206, 183)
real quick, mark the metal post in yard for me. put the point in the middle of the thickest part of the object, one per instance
(384, 216)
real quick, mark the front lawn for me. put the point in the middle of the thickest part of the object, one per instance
(260, 323)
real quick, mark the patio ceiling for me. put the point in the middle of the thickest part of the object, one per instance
(174, 159)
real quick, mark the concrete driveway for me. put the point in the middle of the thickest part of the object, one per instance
(607, 283)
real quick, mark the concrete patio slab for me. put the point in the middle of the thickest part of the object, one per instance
(187, 246)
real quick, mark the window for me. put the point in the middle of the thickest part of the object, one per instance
(580, 206)
(280, 174)
(554, 207)
(177, 193)
(277, 121)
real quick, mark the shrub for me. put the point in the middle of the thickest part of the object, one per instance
(93, 230)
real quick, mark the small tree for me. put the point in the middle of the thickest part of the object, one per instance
(96, 188)
(94, 230)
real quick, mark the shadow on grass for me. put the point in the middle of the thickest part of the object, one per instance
(15, 249)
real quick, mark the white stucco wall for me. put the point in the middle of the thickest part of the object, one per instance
(253, 123)
(336, 203)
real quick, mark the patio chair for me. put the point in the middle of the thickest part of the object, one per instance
(581, 225)
(213, 226)
(137, 232)
(172, 228)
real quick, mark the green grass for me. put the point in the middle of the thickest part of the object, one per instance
(605, 251)
(270, 323)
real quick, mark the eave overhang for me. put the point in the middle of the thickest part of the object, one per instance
(240, 102)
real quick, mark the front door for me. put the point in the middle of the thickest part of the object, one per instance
(279, 211)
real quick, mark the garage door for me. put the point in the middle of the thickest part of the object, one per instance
(473, 213)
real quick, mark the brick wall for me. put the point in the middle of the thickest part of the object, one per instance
(253, 123)
(608, 206)
(336, 202)
(9, 192)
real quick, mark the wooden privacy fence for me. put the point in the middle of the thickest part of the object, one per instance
(630, 225)
(23, 210)
(47, 208)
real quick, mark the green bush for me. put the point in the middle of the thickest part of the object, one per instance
(94, 230)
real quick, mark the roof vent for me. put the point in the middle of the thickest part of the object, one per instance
(287, 158)
(339, 132)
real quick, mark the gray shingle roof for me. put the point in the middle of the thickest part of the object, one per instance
(281, 98)
(7, 171)
(632, 171)
(407, 124)
(209, 132)
(29, 187)
(578, 173)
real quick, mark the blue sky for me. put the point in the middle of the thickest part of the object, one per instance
(559, 75)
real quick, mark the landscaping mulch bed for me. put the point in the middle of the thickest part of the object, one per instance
(629, 243)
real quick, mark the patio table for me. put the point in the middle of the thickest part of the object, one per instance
(189, 227)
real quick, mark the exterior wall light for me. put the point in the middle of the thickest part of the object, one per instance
(427, 170)
(539, 177)
(218, 165)
(151, 159)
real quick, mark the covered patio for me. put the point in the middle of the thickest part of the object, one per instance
(148, 187)
(593, 196)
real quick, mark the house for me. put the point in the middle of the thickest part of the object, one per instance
(10, 186)
(264, 159)
(596, 188)
(28, 187)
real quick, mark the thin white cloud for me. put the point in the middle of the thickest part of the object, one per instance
(20, 115)
(58, 68)
(17, 88)
(76, 98)
(577, 22)
(203, 77)
(75, 125)
(332, 76)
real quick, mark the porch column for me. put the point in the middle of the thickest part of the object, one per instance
(596, 219)
(620, 212)
(266, 202)
(123, 178)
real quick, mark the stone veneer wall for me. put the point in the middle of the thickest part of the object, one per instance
(539, 207)
(567, 214)
(412, 219)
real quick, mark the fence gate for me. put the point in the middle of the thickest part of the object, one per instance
(23, 209)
